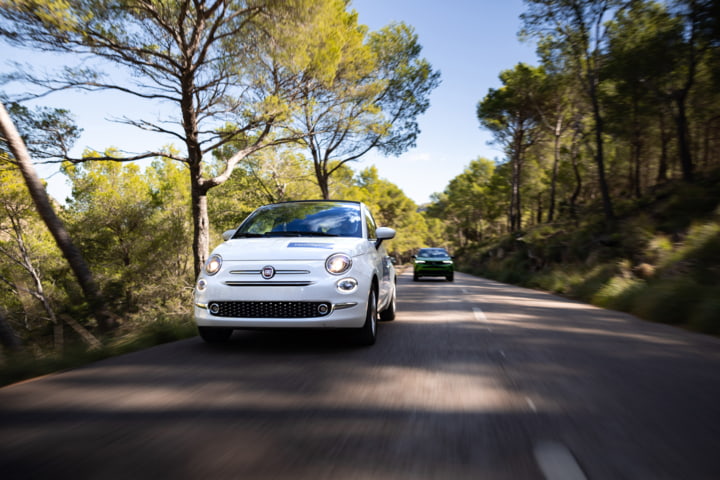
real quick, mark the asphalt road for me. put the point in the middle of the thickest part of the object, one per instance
(473, 380)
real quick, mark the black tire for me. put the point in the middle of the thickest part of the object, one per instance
(416, 277)
(367, 334)
(451, 277)
(388, 315)
(215, 334)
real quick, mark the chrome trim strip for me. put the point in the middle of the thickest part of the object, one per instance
(277, 272)
(266, 283)
(343, 306)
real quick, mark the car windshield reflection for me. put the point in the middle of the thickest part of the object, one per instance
(303, 219)
(433, 253)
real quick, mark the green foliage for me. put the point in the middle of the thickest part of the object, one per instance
(271, 175)
(47, 132)
(143, 335)
(367, 96)
(134, 228)
(671, 301)
(637, 268)
(392, 208)
(704, 315)
(472, 203)
(32, 271)
(619, 293)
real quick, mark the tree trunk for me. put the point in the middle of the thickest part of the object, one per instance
(42, 203)
(662, 174)
(321, 174)
(683, 136)
(553, 180)
(600, 158)
(8, 337)
(201, 221)
(637, 164)
(574, 155)
(324, 187)
(539, 214)
(515, 200)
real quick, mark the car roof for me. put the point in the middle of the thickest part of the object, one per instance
(353, 202)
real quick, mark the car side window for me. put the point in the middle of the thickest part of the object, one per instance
(371, 226)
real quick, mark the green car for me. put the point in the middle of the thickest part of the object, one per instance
(433, 262)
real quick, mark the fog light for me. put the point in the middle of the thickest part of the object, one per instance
(214, 308)
(347, 285)
(323, 309)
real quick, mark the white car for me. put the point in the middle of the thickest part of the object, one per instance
(304, 264)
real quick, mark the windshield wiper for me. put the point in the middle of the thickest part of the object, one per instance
(248, 235)
(294, 233)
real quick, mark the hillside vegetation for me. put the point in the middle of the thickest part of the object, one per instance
(660, 260)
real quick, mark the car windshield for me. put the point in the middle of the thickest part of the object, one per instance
(433, 253)
(296, 219)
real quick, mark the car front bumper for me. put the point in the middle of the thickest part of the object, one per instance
(313, 299)
(430, 270)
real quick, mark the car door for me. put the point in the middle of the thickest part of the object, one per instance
(380, 260)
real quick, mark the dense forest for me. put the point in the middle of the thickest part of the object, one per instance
(608, 190)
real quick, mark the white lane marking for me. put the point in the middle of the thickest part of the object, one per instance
(531, 404)
(479, 315)
(556, 462)
(466, 291)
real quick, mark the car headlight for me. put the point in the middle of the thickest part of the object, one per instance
(419, 261)
(213, 264)
(447, 261)
(338, 263)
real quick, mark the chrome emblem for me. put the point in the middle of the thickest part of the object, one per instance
(268, 272)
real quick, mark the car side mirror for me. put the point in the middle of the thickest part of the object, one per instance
(228, 234)
(383, 233)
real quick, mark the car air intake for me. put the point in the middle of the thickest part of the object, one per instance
(270, 309)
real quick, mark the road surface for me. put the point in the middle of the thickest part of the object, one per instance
(473, 380)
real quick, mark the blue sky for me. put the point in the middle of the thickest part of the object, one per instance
(469, 41)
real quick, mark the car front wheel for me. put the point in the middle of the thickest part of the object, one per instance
(388, 314)
(367, 334)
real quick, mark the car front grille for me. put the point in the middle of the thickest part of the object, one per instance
(270, 309)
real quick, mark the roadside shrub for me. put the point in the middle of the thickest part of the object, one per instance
(636, 234)
(706, 315)
(669, 301)
(688, 202)
(644, 271)
(592, 281)
(619, 293)
(658, 249)
(556, 280)
(163, 329)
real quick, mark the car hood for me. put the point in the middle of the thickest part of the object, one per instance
(289, 248)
